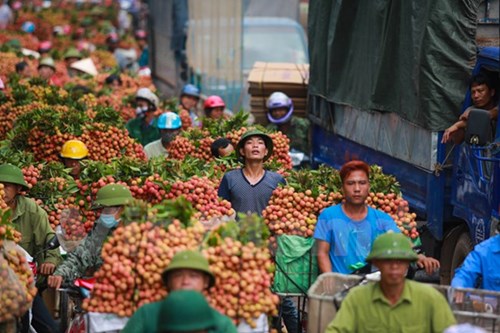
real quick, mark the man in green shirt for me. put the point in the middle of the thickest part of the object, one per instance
(33, 224)
(394, 304)
(188, 270)
(187, 311)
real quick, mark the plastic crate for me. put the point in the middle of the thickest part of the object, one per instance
(478, 307)
(321, 309)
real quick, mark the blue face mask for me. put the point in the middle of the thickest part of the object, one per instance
(108, 220)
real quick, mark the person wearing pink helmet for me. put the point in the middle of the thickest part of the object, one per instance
(142, 42)
(215, 108)
(44, 47)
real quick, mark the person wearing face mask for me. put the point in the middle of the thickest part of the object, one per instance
(86, 258)
(169, 125)
(142, 128)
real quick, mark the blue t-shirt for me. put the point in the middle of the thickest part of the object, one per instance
(351, 241)
(483, 262)
(247, 198)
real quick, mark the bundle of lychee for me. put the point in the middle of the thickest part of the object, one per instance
(17, 283)
(15, 301)
(136, 255)
(43, 131)
(294, 209)
(202, 193)
(241, 261)
(7, 231)
(3, 204)
(196, 142)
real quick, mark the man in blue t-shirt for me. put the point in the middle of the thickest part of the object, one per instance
(345, 232)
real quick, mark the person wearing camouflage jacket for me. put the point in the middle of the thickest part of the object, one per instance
(86, 258)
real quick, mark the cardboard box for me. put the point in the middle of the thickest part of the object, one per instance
(268, 77)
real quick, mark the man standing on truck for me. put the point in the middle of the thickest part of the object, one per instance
(394, 304)
(483, 96)
(345, 232)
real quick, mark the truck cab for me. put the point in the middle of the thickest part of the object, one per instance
(475, 185)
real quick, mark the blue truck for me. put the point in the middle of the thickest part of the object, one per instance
(386, 100)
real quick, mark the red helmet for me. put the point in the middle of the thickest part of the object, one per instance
(45, 46)
(112, 37)
(214, 101)
(140, 34)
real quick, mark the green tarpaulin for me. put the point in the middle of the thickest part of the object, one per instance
(411, 57)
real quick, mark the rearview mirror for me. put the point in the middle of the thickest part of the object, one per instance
(478, 130)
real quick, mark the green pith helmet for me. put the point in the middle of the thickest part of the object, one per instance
(72, 53)
(113, 195)
(392, 245)
(185, 311)
(248, 134)
(49, 62)
(12, 174)
(189, 260)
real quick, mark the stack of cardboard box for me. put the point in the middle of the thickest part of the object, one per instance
(268, 77)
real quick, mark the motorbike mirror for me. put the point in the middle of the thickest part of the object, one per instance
(53, 243)
(479, 130)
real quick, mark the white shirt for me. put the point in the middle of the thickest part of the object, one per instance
(154, 149)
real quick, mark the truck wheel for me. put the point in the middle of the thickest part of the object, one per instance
(457, 244)
(462, 249)
(448, 252)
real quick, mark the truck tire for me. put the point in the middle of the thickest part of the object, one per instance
(462, 249)
(456, 246)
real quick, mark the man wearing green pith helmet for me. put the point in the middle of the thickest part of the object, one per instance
(394, 304)
(87, 256)
(188, 270)
(33, 224)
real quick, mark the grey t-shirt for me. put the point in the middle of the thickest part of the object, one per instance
(245, 197)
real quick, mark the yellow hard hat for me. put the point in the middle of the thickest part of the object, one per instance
(74, 149)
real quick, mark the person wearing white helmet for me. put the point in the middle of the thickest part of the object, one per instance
(6, 15)
(142, 128)
(281, 118)
(169, 125)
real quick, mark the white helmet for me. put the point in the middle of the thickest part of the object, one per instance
(279, 100)
(148, 95)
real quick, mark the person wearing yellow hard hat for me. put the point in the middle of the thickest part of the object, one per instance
(72, 152)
